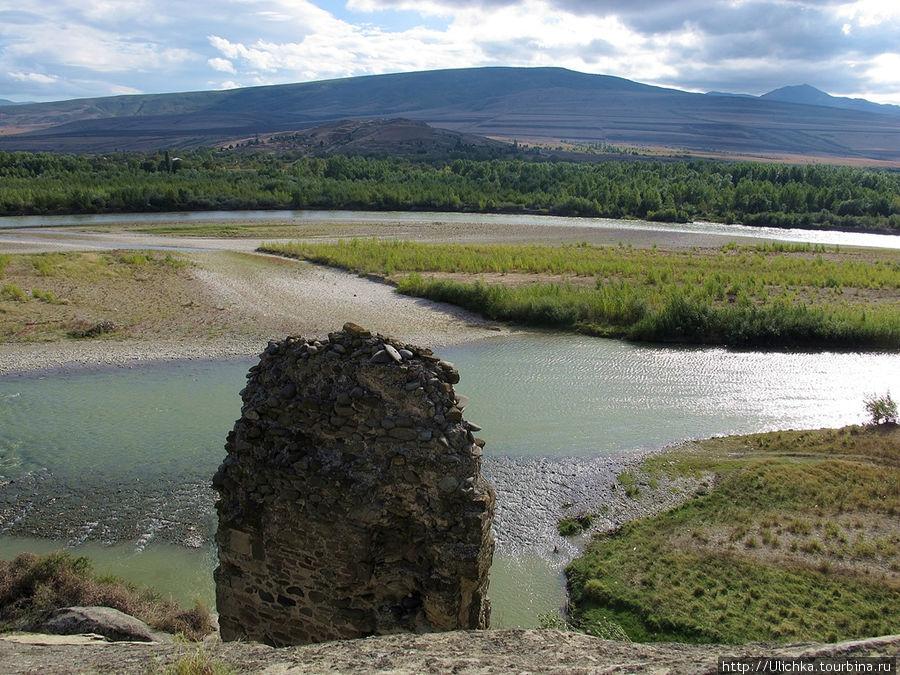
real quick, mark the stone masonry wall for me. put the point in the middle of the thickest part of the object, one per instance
(351, 501)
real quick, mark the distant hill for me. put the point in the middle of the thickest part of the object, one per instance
(528, 104)
(376, 138)
(808, 95)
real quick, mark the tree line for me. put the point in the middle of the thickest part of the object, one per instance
(812, 196)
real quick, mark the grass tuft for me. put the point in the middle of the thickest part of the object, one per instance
(13, 292)
(569, 526)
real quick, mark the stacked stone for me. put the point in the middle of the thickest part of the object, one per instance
(351, 501)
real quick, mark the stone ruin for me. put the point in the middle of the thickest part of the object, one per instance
(351, 501)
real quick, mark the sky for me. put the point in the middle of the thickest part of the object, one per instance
(63, 49)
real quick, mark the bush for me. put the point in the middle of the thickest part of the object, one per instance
(881, 409)
(33, 587)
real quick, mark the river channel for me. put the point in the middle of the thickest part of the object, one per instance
(698, 231)
(115, 463)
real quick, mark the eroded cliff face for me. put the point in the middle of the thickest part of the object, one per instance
(351, 501)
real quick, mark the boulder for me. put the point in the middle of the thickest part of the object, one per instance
(106, 621)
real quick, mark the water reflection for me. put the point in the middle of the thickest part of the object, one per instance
(826, 237)
(566, 395)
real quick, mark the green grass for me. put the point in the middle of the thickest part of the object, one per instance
(630, 483)
(33, 587)
(770, 295)
(13, 292)
(46, 296)
(569, 526)
(798, 541)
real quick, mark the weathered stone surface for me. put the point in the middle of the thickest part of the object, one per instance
(110, 623)
(351, 499)
(481, 652)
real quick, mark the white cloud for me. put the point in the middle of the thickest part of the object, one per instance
(222, 65)
(40, 78)
(870, 12)
(106, 46)
(884, 69)
(119, 90)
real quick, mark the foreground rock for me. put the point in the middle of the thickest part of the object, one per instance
(351, 500)
(106, 621)
(469, 652)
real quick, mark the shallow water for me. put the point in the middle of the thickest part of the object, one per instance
(827, 237)
(564, 395)
(117, 462)
(180, 574)
(120, 423)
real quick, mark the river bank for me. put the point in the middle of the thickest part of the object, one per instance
(209, 305)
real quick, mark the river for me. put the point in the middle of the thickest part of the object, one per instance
(115, 463)
(121, 473)
(704, 230)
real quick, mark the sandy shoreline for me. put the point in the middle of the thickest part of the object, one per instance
(255, 299)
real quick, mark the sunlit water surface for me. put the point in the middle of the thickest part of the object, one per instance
(534, 394)
(825, 237)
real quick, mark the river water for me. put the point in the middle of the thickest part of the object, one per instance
(116, 462)
(825, 237)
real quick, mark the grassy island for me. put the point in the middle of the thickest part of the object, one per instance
(797, 540)
(770, 295)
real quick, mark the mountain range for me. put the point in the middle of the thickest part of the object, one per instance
(806, 94)
(527, 104)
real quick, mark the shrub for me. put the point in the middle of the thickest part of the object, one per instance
(85, 330)
(32, 587)
(881, 409)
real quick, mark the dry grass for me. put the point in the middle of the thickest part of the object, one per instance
(54, 296)
(33, 587)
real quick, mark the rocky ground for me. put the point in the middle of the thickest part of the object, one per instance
(470, 652)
